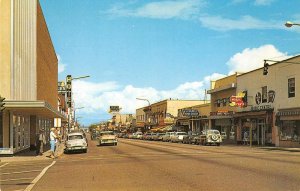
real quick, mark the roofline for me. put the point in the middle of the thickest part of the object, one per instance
(279, 62)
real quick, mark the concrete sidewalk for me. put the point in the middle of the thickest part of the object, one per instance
(31, 155)
(280, 149)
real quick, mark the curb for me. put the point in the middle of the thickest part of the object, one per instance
(32, 158)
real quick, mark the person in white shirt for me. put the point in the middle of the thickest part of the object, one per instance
(53, 138)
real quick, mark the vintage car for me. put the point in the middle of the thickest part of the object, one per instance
(191, 138)
(76, 142)
(209, 137)
(107, 137)
(178, 137)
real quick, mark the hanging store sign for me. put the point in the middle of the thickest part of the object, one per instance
(240, 100)
(190, 112)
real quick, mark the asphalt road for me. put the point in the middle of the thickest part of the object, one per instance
(144, 165)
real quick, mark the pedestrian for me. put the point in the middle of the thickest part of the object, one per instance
(57, 141)
(245, 138)
(42, 142)
(53, 138)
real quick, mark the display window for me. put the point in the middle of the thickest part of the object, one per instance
(290, 131)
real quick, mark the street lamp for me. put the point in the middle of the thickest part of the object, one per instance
(69, 80)
(290, 24)
(80, 77)
(143, 99)
(75, 111)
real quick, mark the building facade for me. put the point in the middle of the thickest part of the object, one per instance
(271, 116)
(162, 114)
(222, 112)
(28, 75)
(194, 118)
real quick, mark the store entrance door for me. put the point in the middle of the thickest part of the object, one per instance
(261, 132)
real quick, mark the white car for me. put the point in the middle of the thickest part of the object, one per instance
(178, 137)
(76, 141)
(107, 137)
(210, 137)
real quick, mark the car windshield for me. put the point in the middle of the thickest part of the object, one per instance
(213, 132)
(106, 133)
(74, 137)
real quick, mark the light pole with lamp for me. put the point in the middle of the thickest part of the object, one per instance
(290, 24)
(69, 80)
(75, 112)
(149, 108)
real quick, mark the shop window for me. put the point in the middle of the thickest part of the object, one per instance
(291, 87)
(224, 101)
(264, 94)
(290, 131)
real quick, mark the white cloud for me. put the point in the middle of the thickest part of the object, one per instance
(253, 58)
(244, 23)
(263, 2)
(97, 97)
(160, 9)
(61, 66)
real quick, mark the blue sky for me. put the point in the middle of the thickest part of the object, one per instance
(163, 49)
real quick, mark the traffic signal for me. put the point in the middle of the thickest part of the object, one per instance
(2, 103)
(266, 66)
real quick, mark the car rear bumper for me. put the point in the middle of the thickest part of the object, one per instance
(75, 148)
(108, 141)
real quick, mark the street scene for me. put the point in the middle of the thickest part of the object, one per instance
(147, 165)
(149, 95)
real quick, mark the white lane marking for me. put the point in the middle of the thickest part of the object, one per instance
(4, 165)
(29, 187)
(7, 173)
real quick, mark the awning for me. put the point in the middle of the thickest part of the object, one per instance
(39, 108)
(249, 114)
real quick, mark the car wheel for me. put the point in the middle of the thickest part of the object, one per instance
(85, 150)
(218, 144)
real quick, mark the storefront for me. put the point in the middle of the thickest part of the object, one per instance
(223, 122)
(288, 122)
(255, 126)
(21, 122)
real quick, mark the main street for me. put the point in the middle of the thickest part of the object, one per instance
(145, 165)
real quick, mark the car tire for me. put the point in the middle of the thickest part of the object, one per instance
(85, 150)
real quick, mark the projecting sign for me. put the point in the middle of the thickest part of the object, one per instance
(190, 112)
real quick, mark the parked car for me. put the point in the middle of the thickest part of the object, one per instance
(107, 137)
(191, 139)
(138, 135)
(76, 142)
(157, 136)
(166, 137)
(178, 137)
(148, 136)
(211, 137)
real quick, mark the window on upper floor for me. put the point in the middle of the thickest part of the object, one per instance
(264, 91)
(291, 87)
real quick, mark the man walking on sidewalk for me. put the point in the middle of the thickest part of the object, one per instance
(53, 138)
(42, 142)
